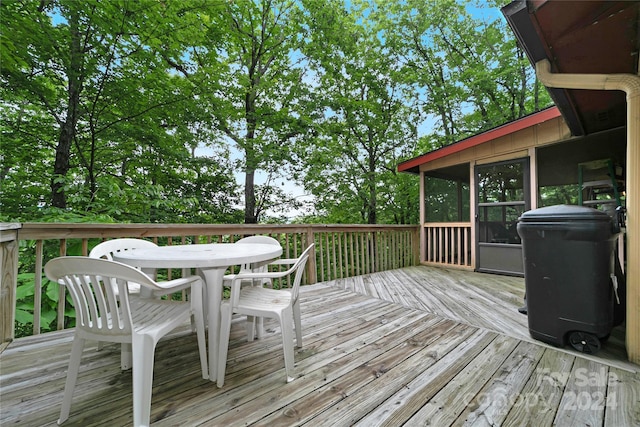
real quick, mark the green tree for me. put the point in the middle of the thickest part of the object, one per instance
(261, 104)
(107, 106)
(368, 117)
(125, 123)
(467, 69)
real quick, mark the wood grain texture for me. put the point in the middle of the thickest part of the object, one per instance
(412, 355)
(8, 281)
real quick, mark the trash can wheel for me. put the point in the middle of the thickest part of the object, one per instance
(584, 342)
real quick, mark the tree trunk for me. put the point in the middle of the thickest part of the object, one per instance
(250, 216)
(68, 128)
(372, 217)
(249, 198)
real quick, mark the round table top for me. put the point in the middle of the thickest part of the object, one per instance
(210, 255)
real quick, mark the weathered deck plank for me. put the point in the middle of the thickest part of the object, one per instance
(490, 405)
(407, 400)
(488, 301)
(388, 353)
(445, 407)
(622, 407)
(413, 346)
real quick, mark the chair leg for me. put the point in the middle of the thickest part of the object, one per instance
(72, 376)
(254, 327)
(143, 354)
(298, 323)
(198, 321)
(287, 342)
(125, 356)
(190, 298)
(225, 331)
(250, 326)
(259, 327)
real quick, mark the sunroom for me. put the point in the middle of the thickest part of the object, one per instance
(526, 164)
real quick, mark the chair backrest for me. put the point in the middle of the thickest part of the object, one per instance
(99, 291)
(108, 248)
(259, 239)
(266, 240)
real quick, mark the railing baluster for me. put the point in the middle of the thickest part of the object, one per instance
(459, 244)
(333, 256)
(340, 259)
(363, 253)
(61, 292)
(321, 256)
(327, 257)
(351, 254)
(447, 244)
(37, 288)
(372, 252)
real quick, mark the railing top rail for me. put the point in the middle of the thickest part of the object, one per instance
(42, 230)
(447, 224)
(8, 231)
(9, 226)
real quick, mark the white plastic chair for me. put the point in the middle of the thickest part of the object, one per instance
(265, 240)
(106, 250)
(105, 315)
(280, 304)
(255, 324)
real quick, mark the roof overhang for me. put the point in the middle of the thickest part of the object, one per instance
(413, 165)
(577, 37)
(581, 37)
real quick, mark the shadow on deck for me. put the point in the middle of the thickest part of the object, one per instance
(415, 346)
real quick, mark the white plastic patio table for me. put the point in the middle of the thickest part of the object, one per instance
(212, 260)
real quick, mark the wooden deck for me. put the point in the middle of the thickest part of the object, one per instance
(416, 346)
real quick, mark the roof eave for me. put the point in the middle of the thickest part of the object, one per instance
(413, 165)
(518, 17)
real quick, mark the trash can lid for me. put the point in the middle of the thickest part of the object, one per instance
(564, 213)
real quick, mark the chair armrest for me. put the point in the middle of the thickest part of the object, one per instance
(260, 275)
(176, 285)
(284, 261)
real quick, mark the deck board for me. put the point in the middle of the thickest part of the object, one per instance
(488, 301)
(413, 346)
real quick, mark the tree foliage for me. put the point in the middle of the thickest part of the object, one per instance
(467, 70)
(150, 111)
(367, 121)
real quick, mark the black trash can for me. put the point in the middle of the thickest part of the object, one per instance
(568, 267)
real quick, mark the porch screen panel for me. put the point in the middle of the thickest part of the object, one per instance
(502, 196)
(498, 222)
(446, 200)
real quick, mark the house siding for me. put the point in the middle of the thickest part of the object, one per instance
(506, 147)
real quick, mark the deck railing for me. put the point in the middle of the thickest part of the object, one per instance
(448, 243)
(341, 250)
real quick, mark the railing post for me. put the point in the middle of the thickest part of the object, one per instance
(311, 264)
(416, 245)
(8, 281)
